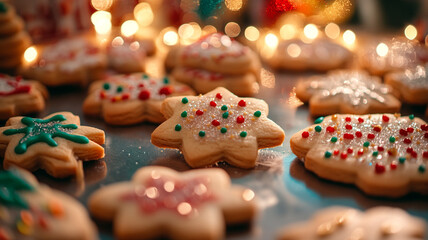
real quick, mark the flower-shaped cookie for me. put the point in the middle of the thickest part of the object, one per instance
(162, 202)
(130, 99)
(346, 91)
(338, 223)
(55, 143)
(217, 126)
(32, 211)
(18, 96)
(384, 155)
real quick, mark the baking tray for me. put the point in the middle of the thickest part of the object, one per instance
(286, 192)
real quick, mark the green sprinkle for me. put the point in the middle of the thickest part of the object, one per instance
(391, 139)
(106, 86)
(327, 154)
(243, 134)
(165, 80)
(225, 115)
(224, 108)
(333, 139)
(366, 144)
(318, 128)
(375, 153)
(184, 100)
(184, 114)
(411, 116)
(178, 127)
(201, 133)
(257, 114)
(401, 160)
(421, 168)
(223, 130)
(119, 89)
(145, 76)
(319, 120)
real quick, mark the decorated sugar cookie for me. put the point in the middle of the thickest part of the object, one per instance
(32, 211)
(54, 144)
(320, 55)
(126, 56)
(69, 61)
(338, 223)
(159, 201)
(19, 96)
(217, 126)
(216, 61)
(412, 83)
(383, 154)
(130, 99)
(347, 91)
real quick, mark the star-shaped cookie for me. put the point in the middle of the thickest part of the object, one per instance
(19, 96)
(217, 126)
(29, 210)
(131, 99)
(347, 91)
(55, 144)
(159, 201)
(338, 223)
(383, 154)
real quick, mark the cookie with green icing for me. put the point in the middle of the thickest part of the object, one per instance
(55, 144)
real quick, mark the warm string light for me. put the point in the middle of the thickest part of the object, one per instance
(382, 49)
(129, 28)
(232, 29)
(102, 22)
(101, 4)
(170, 38)
(288, 31)
(30, 54)
(233, 5)
(271, 40)
(310, 31)
(143, 13)
(410, 32)
(332, 30)
(349, 37)
(252, 33)
(294, 50)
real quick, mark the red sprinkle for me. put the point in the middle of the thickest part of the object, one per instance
(385, 118)
(348, 126)
(403, 132)
(213, 104)
(144, 95)
(343, 155)
(407, 141)
(377, 129)
(165, 91)
(393, 166)
(380, 149)
(410, 130)
(305, 134)
(390, 153)
(218, 95)
(426, 135)
(425, 154)
(370, 136)
(379, 168)
(215, 122)
(125, 96)
(336, 152)
(424, 127)
(358, 134)
(240, 119)
(409, 150)
(350, 150)
(18, 78)
(242, 103)
(199, 112)
(360, 120)
(348, 136)
(414, 154)
(330, 129)
(102, 95)
(360, 152)
(140, 85)
(348, 119)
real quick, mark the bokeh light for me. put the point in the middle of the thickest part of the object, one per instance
(232, 29)
(287, 31)
(252, 33)
(102, 4)
(332, 30)
(410, 32)
(30, 54)
(382, 49)
(170, 38)
(129, 28)
(310, 31)
(349, 37)
(143, 14)
(271, 40)
(233, 5)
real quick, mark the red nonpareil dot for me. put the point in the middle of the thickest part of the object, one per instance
(199, 112)
(403, 132)
(370, 136)
(426, 135)
(242, 103)
(144, 95)
(409, 150)
(379, 168)
(380, 149)
(390, 153)
(125, 96)
(393, 166)
(358, 134)
(213, 104)
(218, 96)
(305, 134)
(407, 141)
(385, 118)
(348, 136)
(360, 120)
(102, 95)
(424, 127)
(165, 91)
(377, 129)
(425, 154)
(18, 78)
(350, 150)
(215, 122)
(343, 155)
(140, 85)
(240, 119)
(336, 152)
(330, 129)
(360, 152)
(414, 154)
(348, 119)
(410, 130)
(348, 126)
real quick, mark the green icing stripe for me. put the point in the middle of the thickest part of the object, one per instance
(11, 183)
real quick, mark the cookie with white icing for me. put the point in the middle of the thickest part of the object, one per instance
(320, 55)
(126, 56)
(347, 91)
(73, 61)
(29, 210)
(338, 223)
(56, 144)
(131, 99)
(217, 61)
(217, 126)
(160, 202)
(382, 154)
(18, 96)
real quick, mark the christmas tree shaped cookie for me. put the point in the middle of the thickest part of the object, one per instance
(159, 201)
(383, 154)
(55, 144)
(131, 99)
(32, 211)
(217, 126)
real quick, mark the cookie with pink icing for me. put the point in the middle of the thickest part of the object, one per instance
(131, 99)
(216, 61)
(160, 202)
(217, 126)
(338, 223)
(73, 61)
(320, 55)
(126, 56)
(347, 91)
(383, 154)
(19, 97)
